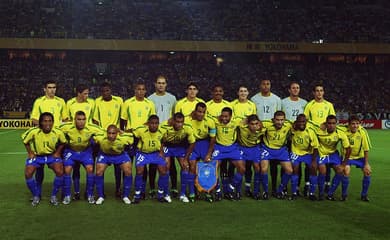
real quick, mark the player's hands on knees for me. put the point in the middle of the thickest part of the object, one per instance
(31, 155)
(367, 169)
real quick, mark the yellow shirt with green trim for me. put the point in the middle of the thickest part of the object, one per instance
(328, 141)
(202, 129)
(108, 112)
(214, 109)
(248, 138)
(317, 112)
(87, 107)
(241, 110)
(136, 113)
(115, 147)
(186, 106)
(55, 106)
(148, 141)
(303, 142)
(182, 137)
(276, 138)
(359, 141)
(79, 140)
(226, 133)
(43, 143)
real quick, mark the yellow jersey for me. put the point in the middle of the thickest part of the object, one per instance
(108, 112)
(202, 129)
(317, 112)
(328, 141)
(79, 140)
(55, 106)
(303, 142)
(114, 147)
(148, 141)
(241, 110)
(136, 113)
(186, 106)
(87, 107)
(43, 143)
(276, 138)
(358, 141)
(226, 133)
(181, 137)
(214, 109)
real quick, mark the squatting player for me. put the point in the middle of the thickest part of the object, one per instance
(360, 145)
(78, 149)
(178, 142)
(44, 145)
(150, 151)
(112, 151)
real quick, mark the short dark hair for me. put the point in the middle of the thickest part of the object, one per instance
(81, 87)
(153, 117)
(318, 85)
(330, 117)
(252, 117)
(49, 82)
(80, 113)
(105, 84)
(227, 109)
(279, 113)
(191, 84)
(353, 118)
(201, 105)
(178, 115)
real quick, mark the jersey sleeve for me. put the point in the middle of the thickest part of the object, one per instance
(344, 140)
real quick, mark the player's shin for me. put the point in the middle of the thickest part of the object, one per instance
(264, 182)
(57, 185)
(365, 184)
(76, 178)
(163, 185)
(90, 183)
(344, 185)
(256, 183)
(138, 186)
(294, 183)
(32, 186)
(321, 183)
(39, 175)
(127, 182)
(313, 184)
(99, 182)
(67, 185)
(183, 182)
(335, 183)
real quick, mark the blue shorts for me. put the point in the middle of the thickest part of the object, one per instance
(142, 159)
(297, 159)
(280, 154)
(250, 153)
(41, 160)
(84, 157)
(200, 150)
(231, 152)
(113, 159)
(179, 152)
(332, 159)
(359, 163)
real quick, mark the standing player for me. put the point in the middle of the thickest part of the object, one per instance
(204, 132)
(304, 149)
(135, 113)
(249, 143)
(360, 145)
(242, 108)
(44, 145)
(275, 149)
(328, 140)
(112, 151)
(187, 104)
(87, 105)
(267, 103)
(164, 103)
(226, 149)
(81, 103)
(316, 111)
(107, 112)
(150, 151)
(217, 103)
(292, 106)
(79, 134)
(179, 141)
(54, 105)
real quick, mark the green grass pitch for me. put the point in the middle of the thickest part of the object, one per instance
(247, 219)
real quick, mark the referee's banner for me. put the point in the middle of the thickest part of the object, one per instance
(16, 123)
(369, 124)
(386, 124)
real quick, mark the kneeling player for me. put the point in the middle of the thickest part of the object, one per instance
(112, 151)
(150, 151)
(44, 146)
(360, 145)
(249, 143)
(304, 149)
(226, 149)
(79, 150)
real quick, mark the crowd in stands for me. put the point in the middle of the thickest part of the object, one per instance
(351, 87)
(234, 20)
